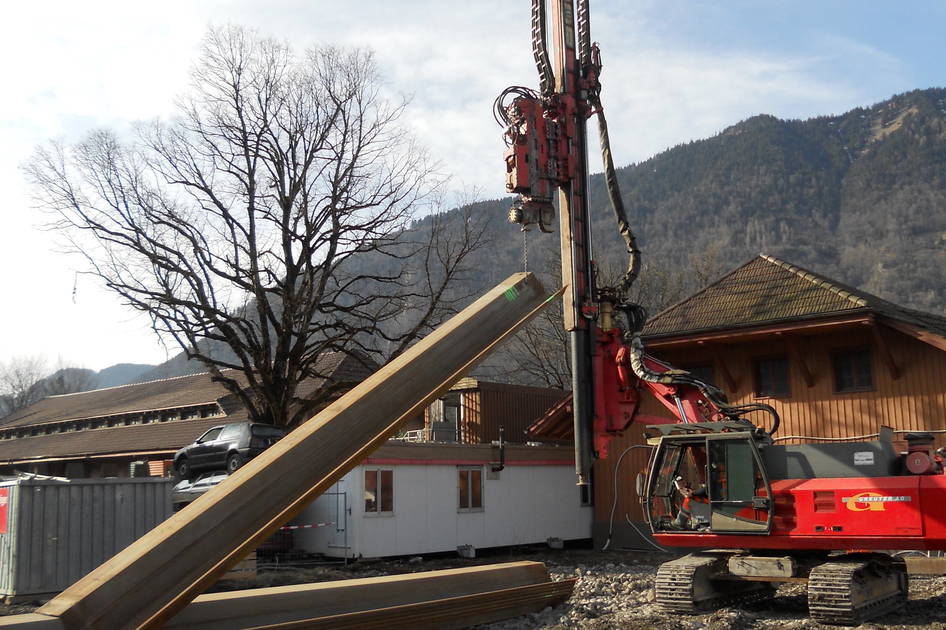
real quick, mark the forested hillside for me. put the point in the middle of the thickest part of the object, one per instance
(859, 197)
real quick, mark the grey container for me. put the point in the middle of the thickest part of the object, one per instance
(57, 531)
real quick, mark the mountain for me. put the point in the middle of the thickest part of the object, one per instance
(859, 197)
(121, 374)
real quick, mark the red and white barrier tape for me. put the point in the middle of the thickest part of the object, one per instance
(309, 526)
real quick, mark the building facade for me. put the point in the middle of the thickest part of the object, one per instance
(109, 432)
(473, 411)
(409, 499)
(834, 362)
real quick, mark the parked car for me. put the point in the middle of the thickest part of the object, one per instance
(187, 490)
(225, 447)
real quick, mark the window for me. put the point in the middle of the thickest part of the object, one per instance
(451, 409)
(231, 432)
(852, 370)
(738, 490)
(379, 491)
(210, 436)
(682, 465)
(470, 485)
(771, 377)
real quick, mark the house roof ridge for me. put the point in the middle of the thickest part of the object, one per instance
(704, 289)
(852, 295)
(156, 380)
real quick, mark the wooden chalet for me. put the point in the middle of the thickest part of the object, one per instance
(834, 361)
(101, 433)
(473, 411)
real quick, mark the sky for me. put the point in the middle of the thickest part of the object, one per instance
(673, 72)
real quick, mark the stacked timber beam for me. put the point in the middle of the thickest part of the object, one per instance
(451, 598)
(159, 574)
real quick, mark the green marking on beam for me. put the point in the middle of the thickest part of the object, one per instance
(512, 293)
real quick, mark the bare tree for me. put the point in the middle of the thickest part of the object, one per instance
(26, 380)
(439, 272)
(68, 379)
(268, 224)
(19, 383)
(538, 353)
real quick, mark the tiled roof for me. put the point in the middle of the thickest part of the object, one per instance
(158, 436)
(555, 424)
(171, 393)
(767, 290)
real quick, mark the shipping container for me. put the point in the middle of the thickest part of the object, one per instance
(52, 532)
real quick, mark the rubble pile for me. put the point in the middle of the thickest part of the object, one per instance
(616, 590)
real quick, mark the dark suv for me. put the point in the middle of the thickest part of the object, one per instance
(225, 447)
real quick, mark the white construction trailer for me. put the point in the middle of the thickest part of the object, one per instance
(422, 498)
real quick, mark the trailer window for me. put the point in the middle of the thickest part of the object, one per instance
(379, 491)
(470, 489)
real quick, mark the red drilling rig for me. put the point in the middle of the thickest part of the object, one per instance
(825, 514)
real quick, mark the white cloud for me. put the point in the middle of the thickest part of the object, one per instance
(74, 66)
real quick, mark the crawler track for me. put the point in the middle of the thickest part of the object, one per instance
(849, 592)
(687, 585)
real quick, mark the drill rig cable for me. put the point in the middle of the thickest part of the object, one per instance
(644, 536)
(614, 490)
(591, 64)
(500, 113)
(682, 377)
(853, 437)
(617, 204)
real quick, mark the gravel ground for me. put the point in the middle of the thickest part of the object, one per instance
(616, 590)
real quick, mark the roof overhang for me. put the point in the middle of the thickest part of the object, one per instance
(82, 458)
(917, 332)
(751, 333)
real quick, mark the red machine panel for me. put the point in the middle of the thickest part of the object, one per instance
(889, 513)
(888, 506)
(933, 494)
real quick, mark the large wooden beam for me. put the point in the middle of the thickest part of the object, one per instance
(160, 573)
(450, 598)
(453, 613)
(30, 621)
(263, 607)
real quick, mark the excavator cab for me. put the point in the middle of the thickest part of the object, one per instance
(707, 481)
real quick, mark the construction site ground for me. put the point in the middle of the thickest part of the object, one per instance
(615, 590)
